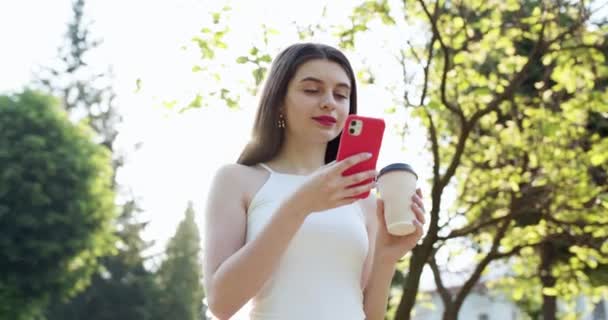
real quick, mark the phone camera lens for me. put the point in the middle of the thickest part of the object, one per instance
(352, 131)
(353, 123)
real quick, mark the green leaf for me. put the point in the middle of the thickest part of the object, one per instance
(138, 84)
(599, 159)
(512, 5)
(266, 58)
(390, 110)
(550, 292)
(197, 102)
(216, 17)
(258, 75)
(458, 22)
(460, 58)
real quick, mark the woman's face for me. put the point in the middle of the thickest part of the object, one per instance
(317, 101)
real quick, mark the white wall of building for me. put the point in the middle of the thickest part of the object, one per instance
(476, 306)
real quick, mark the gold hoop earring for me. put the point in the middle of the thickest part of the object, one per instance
(281, 121)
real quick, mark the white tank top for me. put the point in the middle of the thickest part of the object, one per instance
(319, 275)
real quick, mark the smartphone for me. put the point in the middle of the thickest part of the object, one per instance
(361, 134)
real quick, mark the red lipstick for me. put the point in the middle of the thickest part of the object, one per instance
(327, 121)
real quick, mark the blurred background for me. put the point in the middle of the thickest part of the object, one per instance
(115, 115)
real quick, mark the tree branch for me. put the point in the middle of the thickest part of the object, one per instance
(470, 283)
(474, 228)
(445, 295)
(402, 61)
(415, 54)
(597, 47)
(515, 250)
(432, 128)
(538, 49)
(446, 59)
(579, 223)
(434, 146)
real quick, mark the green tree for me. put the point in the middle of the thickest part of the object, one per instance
(478, 69)
(122, 288)
(85, 88)
(180, 273)
(556, 195)
(56, 204)
(567, 193)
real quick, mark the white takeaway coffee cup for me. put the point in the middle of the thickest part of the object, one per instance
(397, 184)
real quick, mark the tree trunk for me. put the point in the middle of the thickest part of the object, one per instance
(420, 255)
(547, 255)
(450, 312)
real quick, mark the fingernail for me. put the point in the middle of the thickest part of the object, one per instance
(368, 155)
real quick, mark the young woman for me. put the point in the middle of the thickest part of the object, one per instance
(282, 231)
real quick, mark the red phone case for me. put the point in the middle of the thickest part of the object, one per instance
(369, 140)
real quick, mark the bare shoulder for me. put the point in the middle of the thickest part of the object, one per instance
(238, 179)
(225, 226)
(237, 173)
(232, 171)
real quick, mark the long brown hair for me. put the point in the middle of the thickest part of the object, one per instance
(267, 138)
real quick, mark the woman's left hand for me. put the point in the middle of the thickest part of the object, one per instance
(391, 248)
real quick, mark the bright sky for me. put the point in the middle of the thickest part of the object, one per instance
(180, 153)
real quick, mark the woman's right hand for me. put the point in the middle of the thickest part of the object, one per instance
(327, 188)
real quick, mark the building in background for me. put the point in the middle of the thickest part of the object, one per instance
(484, 304)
